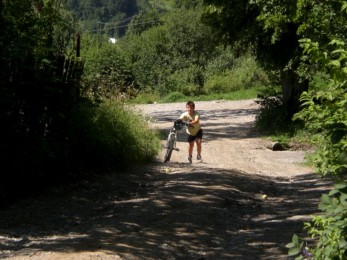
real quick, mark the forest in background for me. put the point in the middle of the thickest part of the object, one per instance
(63, 85)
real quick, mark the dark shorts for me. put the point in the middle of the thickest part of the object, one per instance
(192, 138)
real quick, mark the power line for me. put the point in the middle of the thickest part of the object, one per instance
(117, 27)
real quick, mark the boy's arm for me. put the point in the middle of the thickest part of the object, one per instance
(195, 121)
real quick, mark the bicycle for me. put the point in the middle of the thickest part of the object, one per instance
(172, 138)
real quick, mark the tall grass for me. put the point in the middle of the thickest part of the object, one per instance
(111, 136)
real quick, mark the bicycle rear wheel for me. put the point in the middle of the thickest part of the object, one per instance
(169, 148)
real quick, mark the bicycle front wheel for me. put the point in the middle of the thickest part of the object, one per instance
(169, 148)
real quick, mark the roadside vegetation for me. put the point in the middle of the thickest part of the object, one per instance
(67, 89)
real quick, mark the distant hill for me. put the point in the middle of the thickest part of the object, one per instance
(112, 17)
(107, 16)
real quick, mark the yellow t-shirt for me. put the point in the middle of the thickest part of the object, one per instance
(196, 127)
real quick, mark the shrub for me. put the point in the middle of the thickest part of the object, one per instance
(242, 74)
(221, 63)
(189, 80)
(145, 97)
(328, 230)
(173, 97)
(272, 112)
(325, 113)
(109, 135)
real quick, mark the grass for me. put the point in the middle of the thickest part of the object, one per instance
(236, 95)
(150, 98)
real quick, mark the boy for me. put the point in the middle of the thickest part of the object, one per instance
(194, 130)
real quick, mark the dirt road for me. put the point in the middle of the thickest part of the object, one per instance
(243, 201)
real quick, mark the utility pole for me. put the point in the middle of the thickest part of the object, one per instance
(78, 44)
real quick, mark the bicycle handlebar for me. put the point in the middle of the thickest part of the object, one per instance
(179, 123)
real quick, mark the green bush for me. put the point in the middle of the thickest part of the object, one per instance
(328, 230)
(271, 118)
(109, 135)
(173, 97)
(244, 73)
(221, 83)
(106, 73)
(222, 62)
(325, 115)
(145, 97)
(189, 80)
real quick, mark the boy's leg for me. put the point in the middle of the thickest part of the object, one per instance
(190, 148)
(190, 151)
(198, 144)
(198, 147)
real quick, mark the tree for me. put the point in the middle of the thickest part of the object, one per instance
(107, 15)
(106, 72)
(143, 21)
(325, 115)
(188, 4)
(179, 42)
(273, 29)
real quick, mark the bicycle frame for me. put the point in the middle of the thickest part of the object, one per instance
(171, 141)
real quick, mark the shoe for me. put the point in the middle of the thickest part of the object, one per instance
(190, 159)
(198, 157)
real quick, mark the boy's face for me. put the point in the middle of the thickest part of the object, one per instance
(190, 109)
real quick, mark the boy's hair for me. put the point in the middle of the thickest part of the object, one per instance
(190, 103)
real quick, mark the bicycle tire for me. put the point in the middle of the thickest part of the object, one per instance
(168, 151)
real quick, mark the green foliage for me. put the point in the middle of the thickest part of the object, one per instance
(35, 29)
(328, 230)
(106, 73)
(106, 16)
(273, 114)
(147, 55)
(325, 116)
(241, 94)
(110, 135)
(179, 45)
(325, 111)
(223, 60)
(320, 81)
(143, 22)
(173, 97)
(150, 97)
(145, 97)
(273, 29)
(188, 4)
(189, 81)
(39, 77)
(245, 73)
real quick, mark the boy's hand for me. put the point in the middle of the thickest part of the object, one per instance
(188, 124)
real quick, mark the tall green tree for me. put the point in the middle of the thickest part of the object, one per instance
(143, 21)
(179, 42)
(36, 93)
(188, 4)
(35, 30)
(273, 28)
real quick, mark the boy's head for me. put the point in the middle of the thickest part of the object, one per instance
(190, 107)
(190, 104)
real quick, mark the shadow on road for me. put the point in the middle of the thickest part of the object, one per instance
(187, 213)
(212, 129)
(169, 211)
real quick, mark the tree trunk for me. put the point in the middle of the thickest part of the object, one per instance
(292, 88)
